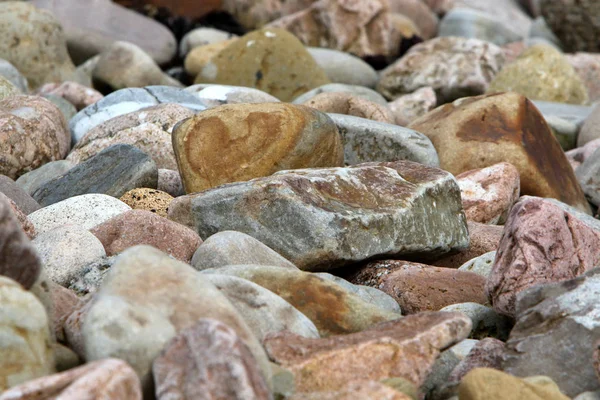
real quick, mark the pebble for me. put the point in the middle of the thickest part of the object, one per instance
(411, 106)
(201, 37)
(475, 24)
(360, 91)
(75, 93)
(346, 103)
(590, 130)
(12, 74)
(341, 67)
(24, 222)
(113, 171)
(22, 199)
(147, 199)
(32, 180)
(218, 95)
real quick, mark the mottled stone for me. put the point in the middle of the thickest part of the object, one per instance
(91, 276)
(411, 106)
(238, 142)
(8, 71)
(541, 244)
(454, 67)
(323, 218)
(487, 353)
(145, 300)
(272, 60)
(478, 132)
(110, 378)
(489, 193)
(587, 66)
(26, 340)
(341, 67)
(87, 210)
(137, 227)
(481, 265)
(218, 95)
(576, 23)
(264, 311)
(32, 133)
(18, 259)
(24, 222)
(113, 171)
(207, 361)
(75, 93)
(169, 181)
(418, 287)
(482, 238)
(32, 180)
(346, 103)
(360, 91)
(405, 348)
(42, 56)
(235, 248)
(146, 199)
(541, 73)
(587, 174)
(65, 250)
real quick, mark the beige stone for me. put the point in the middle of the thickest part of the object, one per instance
(149, 200)
(238, 142)
(198, 57)
(75, 93)
(346, 103)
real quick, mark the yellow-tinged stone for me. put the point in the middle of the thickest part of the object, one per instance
(200, 56)
(152, 200)
(239, 142)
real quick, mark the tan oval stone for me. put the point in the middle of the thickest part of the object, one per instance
(348, 104)
(478, 132)
(198, 57)
(239, 142)
(147, 199)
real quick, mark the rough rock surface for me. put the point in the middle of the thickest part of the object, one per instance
(75, 93)
(576, 23)
(541, 244)
(323, 218)
(478, 132)
(208, 361)
(405, 348)
(239, 142)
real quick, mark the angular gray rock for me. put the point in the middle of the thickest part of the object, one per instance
(325, 218)
(234, 248)
(371, 141)
(114, 171)
(556, 329)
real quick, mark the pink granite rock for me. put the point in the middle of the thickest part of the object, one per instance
(483, 239)
(361, 389)
(541, 244)
(489, 193)
(349, 104)
(64, 302)
(208, 361)
(578, 155)
(587, 66)
(411, 106)
(75, 93)
(105, 379)
(137, 227)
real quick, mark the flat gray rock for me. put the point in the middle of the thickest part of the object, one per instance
(371, 141)
(320, 219)
(114, 171)
(569, 112)
(556, 331)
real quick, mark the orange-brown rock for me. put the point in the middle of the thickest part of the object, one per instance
(419, 287)
(363, 28)
(239, 142)
(482, 238)
(208, 361)
(348, 104)
(477, 132)
(105, 379)
(405, 348)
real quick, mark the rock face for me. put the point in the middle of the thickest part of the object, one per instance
(137, 227)
(145, 300)
(323, 218)
(208, 361)
(44, 58)
(235, 248)
(114, 171)
(109, 378)
(418, 287)
(148, 129)
(489, 193)
(490, 384)
(364, 29)
(481, 131)
(405, 348)
(541, 244)
(26, 344)
(46, 138)
(239, 142)
(333, 309)
(564, 16)
(565, 313)
(264, 311)
(541, 73)
(271, 60)
(370, 141)
(18, 259)
(454, 67)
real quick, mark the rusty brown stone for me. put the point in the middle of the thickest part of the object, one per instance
(18, 259)
(362, 28)
(405, 348)
(418, 287)
(478, 132)
(25, 223)
(105, 379)
(483, 239)
(75, 93)
(238, 142)
(47, 138)
(208, 361)
(348, 104)
(137, 227)
(541, 244)
(489, 193)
